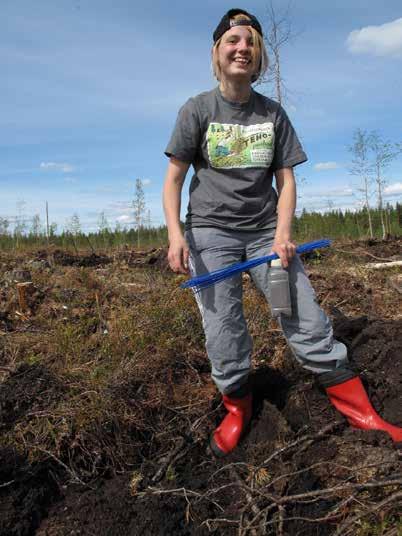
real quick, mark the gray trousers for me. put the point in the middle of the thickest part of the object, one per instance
(308, 331)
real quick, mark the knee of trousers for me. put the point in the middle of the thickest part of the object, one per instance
(227, 340)
(318, 351)
(228, 350)
(226, 333)
(311, 326)
(230, 357)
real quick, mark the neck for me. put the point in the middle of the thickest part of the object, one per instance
(235, 90)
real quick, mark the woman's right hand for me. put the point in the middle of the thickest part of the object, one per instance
(178, 247)
(178, 255)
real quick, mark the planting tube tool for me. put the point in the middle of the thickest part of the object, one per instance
(209, 279)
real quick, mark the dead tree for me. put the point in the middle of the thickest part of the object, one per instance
(363, 168)
(139, 207)
(277, 35)
(384, 152)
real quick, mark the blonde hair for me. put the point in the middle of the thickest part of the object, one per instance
(259, 52)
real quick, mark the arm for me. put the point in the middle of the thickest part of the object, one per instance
(286, 186)
(178, 248)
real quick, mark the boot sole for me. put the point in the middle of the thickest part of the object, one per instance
(220, 453)
(216, 451)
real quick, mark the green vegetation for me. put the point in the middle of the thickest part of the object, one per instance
(104, 239)
(333, 224)
(348, 224)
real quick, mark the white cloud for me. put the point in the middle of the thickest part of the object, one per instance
(120, 206)
(393, 189)
(70, 180)
(325, 165)
(146, 182)
(324, 205)
(383, 40)
(65, 168)
(342, 192)
(124, 218)
(328, 194)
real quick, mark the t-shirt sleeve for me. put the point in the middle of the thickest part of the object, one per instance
(288, 149)
(185, 140)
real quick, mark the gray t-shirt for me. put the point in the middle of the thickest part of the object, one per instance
(234, 149)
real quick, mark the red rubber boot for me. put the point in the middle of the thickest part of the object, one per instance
(228, 434)
(350, 398)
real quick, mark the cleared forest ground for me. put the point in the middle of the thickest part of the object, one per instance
(106, 404)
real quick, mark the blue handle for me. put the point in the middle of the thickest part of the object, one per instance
(211, 278)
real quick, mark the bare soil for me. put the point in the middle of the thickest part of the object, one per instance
(94, 442)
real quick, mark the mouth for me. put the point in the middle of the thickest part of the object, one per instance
(242, 61)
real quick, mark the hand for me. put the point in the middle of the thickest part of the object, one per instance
(285, 249)
(178, 255)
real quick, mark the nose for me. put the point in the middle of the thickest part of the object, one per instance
(243, 45)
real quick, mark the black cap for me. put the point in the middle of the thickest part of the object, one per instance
(226, 23)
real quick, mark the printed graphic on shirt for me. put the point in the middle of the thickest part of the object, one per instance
(240, 146)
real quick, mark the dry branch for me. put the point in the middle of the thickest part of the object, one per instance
(357, 253)
(169, 459)
(382, 265)
(5, 484)
(394, 498)
(307, 437)
(74, 477)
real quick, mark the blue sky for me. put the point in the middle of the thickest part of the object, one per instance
(90, 91)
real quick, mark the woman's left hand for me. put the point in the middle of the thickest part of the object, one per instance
(285, 249)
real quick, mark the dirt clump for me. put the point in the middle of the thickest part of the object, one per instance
(63, 258)
(374, 248)
(378, 355)
(26, 492)
(156, 257)
(28, 390)
(111, 509)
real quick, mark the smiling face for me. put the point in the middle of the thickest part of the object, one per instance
(239, 54)
(236, 55)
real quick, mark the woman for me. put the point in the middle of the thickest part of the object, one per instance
(236, 140)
